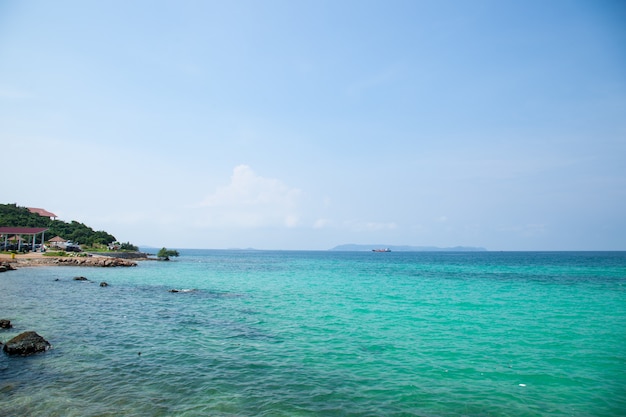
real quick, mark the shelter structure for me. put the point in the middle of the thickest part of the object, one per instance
(22, 231)
(57, 242)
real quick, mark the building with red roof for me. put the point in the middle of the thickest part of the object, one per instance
(42, 212)
(5, 232)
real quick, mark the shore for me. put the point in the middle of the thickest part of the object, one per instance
(38, 259)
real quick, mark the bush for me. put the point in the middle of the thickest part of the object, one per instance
(129, 246)
(58, 253)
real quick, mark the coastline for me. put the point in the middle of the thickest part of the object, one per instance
(38, 259)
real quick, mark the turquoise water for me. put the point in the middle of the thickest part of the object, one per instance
(322, 334)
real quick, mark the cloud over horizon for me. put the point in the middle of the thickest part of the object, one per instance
(251, 200)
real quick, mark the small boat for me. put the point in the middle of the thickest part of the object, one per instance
(381, 250)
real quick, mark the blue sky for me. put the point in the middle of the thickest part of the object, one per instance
(308, 124)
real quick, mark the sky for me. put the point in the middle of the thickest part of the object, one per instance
(302, 125)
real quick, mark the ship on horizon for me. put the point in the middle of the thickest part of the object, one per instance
(381, 250)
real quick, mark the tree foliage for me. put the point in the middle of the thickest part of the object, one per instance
(166, 253)
(128, 246)
(14, 216)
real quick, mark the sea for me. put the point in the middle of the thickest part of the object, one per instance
(322, 333)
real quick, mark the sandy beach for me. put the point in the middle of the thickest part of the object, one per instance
(25, 258)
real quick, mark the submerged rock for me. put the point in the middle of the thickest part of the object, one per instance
(104, 284)
(5, 324)
(80, 279)
(26, 343)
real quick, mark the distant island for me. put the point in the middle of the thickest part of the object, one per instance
(350, 247)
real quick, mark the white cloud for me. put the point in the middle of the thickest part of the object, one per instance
(250, 200)
(321, 223)
(526, 230)
(12, 93)
(359, 226)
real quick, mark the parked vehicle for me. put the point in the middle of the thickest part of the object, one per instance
(8, 247)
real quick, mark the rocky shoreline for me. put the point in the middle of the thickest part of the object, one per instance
(95, 261)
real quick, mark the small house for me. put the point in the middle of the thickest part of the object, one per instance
(58, 242)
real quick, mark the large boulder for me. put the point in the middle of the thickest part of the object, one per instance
(26, 343)
(5, 266)
(95, 261)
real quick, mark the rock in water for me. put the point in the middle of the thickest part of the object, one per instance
(5, 266)
(26, 343)
(104, 284)
(5, 324)
(80, 279)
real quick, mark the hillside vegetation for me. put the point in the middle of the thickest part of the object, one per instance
(12, 215)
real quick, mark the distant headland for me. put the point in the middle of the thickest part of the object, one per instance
(350, 247)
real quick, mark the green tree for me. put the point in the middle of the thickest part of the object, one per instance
(13, 215)
(165, 254)
(128, 246)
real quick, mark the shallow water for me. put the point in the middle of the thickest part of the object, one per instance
(322, 334)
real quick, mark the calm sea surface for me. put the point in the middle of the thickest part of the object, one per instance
(268, 333)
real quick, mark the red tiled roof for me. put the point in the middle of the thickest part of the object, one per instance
(22, 230)
(41, 212)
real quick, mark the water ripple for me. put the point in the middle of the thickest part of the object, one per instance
(322, 334)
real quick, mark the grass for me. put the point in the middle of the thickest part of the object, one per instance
(57, 253)
(62, 253)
